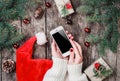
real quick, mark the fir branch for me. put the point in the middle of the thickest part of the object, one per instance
(85, 9)
(11, 10)
(93, 38)
(106, 13)
(4, 34)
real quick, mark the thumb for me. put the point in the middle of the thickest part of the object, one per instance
(53, 46)
(71, 59)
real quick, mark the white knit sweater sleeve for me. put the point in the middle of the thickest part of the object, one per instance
(75, 73)
(58, 70)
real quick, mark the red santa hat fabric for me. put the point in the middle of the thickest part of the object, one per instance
(28, 69)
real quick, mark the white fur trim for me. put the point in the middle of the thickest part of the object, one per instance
(41, 38)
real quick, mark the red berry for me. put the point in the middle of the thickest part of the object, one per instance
(69, 21)
(87, 44)
(97, 65)
(48, 4)
(26, 21)
(87, 30)
(68, 6)
(16, 45)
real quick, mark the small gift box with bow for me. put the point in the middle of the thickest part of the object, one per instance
(99, 70)
(65, 7)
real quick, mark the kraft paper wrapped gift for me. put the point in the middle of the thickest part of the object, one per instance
(65, 7)
(99, 70)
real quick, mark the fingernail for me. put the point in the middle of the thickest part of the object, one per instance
(67, 32)
(72, 37)
(69, 35)
(71, 49)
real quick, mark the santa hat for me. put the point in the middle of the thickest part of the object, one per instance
(28, 69)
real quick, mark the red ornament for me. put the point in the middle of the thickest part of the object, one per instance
(16, 45)
(87, 44)
(48, 4)
(87, 30)
(26, 21)
(97, 65)
(69, 21)
(38, 13)
(68, 6)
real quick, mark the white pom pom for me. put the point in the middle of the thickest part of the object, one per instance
(41, 38)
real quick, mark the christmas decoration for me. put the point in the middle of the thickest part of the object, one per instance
(38, 13)
(68, 6)
(28, 69)
(11, 10)
(26, 21)
(97, 65)
(64, 7)
(87, 30)
(48, 5)
(8, 66)
(99, 70)
(41, 38)
(16, 45)
(87, 44)
(107, 14)
(69, 21)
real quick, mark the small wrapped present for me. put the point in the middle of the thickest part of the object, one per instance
(99, 70)
(65, 7)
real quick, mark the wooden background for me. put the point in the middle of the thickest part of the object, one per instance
(50, 20)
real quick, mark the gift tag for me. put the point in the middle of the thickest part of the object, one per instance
(65, 7)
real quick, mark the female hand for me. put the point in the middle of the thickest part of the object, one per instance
(56, 52)
(75, 52)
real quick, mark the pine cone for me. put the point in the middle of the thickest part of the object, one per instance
(38, 13)
(8, 66)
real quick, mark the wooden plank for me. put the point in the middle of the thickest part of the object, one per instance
(111, 58)
(36, 25)
(0, 66)
(6, 54)
(51, 18)
(54, 20)
(117, 72)
(11, 76)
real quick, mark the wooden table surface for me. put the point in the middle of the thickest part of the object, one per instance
(50, 20)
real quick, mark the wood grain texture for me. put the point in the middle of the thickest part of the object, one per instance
(35, 26)
(0, 66)
(50, 20)
(117, 70)
(8, 55)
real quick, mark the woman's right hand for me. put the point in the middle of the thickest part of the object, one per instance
(75, 52)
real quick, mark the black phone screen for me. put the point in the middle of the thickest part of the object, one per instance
(62, 41)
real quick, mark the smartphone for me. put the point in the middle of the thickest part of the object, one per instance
(61, 40)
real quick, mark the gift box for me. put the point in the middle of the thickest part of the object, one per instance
(65, 7)
(99, 70)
